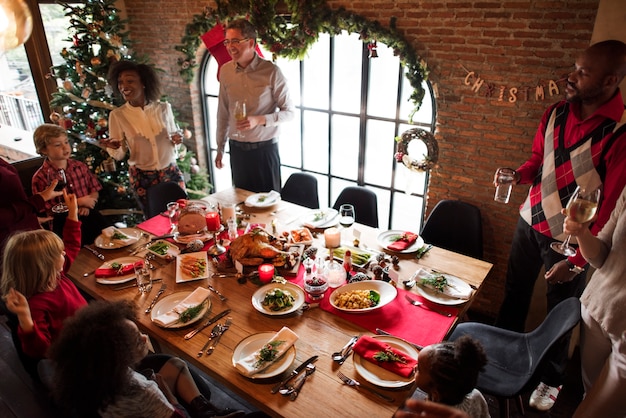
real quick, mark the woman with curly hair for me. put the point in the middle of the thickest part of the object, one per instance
(448, 372)
(142, 126)
(95, 361)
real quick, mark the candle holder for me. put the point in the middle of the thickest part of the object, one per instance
(214, 226)
(216, 248)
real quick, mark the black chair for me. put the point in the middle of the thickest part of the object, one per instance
(159, 195)
(26, 169)
(365, 204)
(513, 357)
(301, 189)
(455, 226)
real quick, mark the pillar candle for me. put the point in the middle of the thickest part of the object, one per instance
(266, 273)
(332, 237)
(212, 221)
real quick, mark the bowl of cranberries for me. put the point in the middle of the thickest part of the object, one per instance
(315, 287)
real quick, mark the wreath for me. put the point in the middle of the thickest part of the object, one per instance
(291, 34)
(402, 150)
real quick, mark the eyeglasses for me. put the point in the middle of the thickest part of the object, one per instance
(234, 41)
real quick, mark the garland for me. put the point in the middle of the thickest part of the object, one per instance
(402, 151)
(290, 35)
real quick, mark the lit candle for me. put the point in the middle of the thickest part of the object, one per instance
(212, 221)
(266, 273)
(332, 237)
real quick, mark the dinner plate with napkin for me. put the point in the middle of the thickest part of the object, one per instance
(442, 288)
(384, 355)
(321, 218)
(400, 241)
(279, 343)
(167, 318)
(114, 237)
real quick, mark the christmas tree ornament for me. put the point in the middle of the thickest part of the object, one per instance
(55, 117)
(187, 133)
(64, 53)
(372, 48)
(109, 165)
(103, 122)
(68, 85)
(16, 24)
(95, 61)
(86, 93)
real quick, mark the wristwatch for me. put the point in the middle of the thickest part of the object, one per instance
(573, 267)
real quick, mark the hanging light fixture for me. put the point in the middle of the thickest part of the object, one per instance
(16, 24)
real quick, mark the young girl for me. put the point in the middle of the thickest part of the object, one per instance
(35, 287)
(95, 360)
(448, 372)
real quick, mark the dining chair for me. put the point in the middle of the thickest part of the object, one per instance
(365, 204)
(301, 189)
(159, 195)
(514, 358)
(455, 226)
(26, 169)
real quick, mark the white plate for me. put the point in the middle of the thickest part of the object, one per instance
(262, 200)
(384, 239)
(171, 251)
(106, 244)
(440, 298)
(118, 279)
(186, 239)
(321, 218)
(378, 376)
(387, 293)
(353, 250)
(254, 342)
(168, 303)
(182, 277)
(296, 291)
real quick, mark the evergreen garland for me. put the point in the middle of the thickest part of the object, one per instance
(291, 35)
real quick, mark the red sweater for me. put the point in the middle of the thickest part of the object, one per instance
(49, 309)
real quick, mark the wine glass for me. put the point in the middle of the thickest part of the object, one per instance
(581, 207)
(240, 114)
(346, 215)
(176, 131)
(54, 174)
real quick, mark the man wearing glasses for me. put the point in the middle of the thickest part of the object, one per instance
(252, 133)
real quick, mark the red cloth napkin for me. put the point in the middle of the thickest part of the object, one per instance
(399, 317)
(157, 225)
(111, 272)
(407, 239)
(367, 347)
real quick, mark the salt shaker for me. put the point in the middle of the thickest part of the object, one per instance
(232, 229)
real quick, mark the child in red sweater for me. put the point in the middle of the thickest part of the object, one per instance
(34, 284)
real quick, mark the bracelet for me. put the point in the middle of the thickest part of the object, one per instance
(573, 267)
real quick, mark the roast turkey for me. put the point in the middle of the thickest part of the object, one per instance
(255, 247)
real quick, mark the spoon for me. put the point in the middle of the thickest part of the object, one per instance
(310, 368)
(338, 355)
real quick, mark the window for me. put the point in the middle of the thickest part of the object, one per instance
(349, 108)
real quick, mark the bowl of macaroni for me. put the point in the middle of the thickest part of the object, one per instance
(363, 296)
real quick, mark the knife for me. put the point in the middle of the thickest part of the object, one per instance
(133, 284)
(382, 332)
(294, 373)
(223, 329)
(217, 317)
(218, 293)
(94, 252)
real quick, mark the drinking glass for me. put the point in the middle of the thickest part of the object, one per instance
(581, 207)
(143, 276)
(240, 114)
(504, 184)
(173, 211)
(54, 174)
(176, 131)
(346, 215)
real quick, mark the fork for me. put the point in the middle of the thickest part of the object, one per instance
(154, 301)
(354, 383)
(422, 305)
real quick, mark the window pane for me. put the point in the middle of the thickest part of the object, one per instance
(345, 147)
(407, 212)
(56, 26)
(290, 144)
(379, 150)
(211, 85)
(383, 85)
(315, 88)
(347, 61)
(425, 114)
(315, 141)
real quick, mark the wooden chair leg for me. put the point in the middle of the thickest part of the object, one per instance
(520, 404)
(503, 404)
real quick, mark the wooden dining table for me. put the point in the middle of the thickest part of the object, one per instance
(320, 331)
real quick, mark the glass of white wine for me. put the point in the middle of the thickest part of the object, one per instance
(581, 207)
(346, 215)
(240, 114)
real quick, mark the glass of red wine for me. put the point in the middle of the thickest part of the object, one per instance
(58, 174)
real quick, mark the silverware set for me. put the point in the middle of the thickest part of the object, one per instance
(214, 338)
(427, 307)
(154, 301)
(205, 324)
(341, 355)
(357, 385)
(283, 385)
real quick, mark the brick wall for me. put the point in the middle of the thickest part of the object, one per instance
(512, 44)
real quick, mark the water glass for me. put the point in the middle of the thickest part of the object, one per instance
(504, 182)
(173, 211)
(228, 212)
(144, 277)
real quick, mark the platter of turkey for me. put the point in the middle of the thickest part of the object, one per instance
(258, 246)
(191, 225)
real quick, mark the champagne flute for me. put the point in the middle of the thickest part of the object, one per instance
(240, 114)
(346, 215)
(54, 174)
(581, 207)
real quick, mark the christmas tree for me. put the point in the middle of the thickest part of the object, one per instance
(84, 99)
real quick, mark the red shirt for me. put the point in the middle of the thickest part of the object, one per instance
(80, 180)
